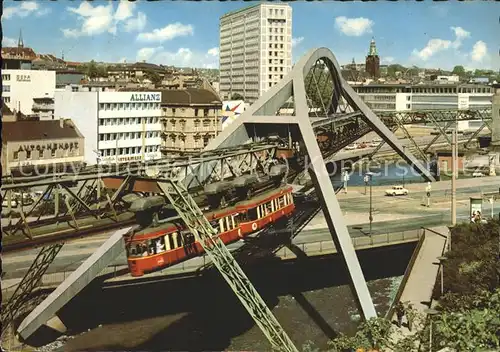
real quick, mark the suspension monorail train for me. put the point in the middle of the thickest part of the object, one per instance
(155, 248)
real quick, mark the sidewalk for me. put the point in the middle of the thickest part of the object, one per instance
(478, 182)
(421, 280)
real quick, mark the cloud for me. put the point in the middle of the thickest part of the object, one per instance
(125, 10)
(136, 24)
(101, 19)
(354, 26)
(95, 20)
(388, 59)
(479, 51)
(184, 57)
(145, 54)
(436, 45)
(297, 41)
(460, 34)
(213, 52)
(25, 9)
(168, 32)
(9, 42)
(433, 46)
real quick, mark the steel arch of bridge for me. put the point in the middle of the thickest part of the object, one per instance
(263, 115)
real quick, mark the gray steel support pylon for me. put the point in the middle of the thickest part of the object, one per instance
(330, 204)
(264, 110)
(74, 283)
(200, 227)
(29, 282)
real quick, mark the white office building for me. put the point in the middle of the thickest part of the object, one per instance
(255, 49)
(438, 96)
(118, 126)
(19, 87)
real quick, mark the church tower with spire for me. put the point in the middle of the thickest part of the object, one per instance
(372, 64)
(20, 42)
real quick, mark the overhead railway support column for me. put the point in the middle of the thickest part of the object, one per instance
(75, 282)
(266, 117)
(495, 135)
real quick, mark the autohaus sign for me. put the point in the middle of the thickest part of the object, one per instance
(53, 146)
(146, 97)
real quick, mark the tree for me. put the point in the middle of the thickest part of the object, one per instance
(237, 96)
(154, 77)
(91, 70)
(458, 70)
(472, 329)
(319, 90)
(102, 71)
(392, 69)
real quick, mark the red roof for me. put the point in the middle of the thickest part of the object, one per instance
(20, 131)
(18, 52)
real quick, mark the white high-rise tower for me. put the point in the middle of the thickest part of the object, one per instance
(255, 49)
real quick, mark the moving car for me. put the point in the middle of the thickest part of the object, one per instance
(397, 191)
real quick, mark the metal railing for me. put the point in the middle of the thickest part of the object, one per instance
(311, 249)
(328, 247)
(406, 275)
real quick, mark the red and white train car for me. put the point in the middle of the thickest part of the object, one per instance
(156, 248)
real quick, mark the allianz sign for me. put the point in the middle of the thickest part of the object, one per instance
(146, 97)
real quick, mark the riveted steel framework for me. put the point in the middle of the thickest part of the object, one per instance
(200, 227)
(92, 208)
(76, 201)
(17, 303)
(302, 95)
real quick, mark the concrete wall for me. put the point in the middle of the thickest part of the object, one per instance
(21, 86)
(40, 153)
(81, 107)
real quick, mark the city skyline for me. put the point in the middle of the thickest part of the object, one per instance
(182, 34)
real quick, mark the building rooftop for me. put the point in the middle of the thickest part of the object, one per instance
(190, 96)
(239, 10)
(20, 131)
(424, 85)
(182, 97)
(16, 52)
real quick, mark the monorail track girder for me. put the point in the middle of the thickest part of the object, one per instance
(230, 270)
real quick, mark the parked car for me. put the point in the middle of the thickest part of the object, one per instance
(396, 191)
(477, 174)
(13, 203)
(352, 147)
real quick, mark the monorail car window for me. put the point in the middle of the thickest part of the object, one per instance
(159, 245)
(252, 214)
(137, 249)
(281, 202)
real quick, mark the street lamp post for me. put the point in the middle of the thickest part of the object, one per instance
(454, 148)
(366, 179)
(370, 176)
(441, 264)
(431, 312)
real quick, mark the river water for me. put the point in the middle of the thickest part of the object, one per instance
(383, 174)
(310, 297)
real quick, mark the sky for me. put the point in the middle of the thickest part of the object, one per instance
(426, 34)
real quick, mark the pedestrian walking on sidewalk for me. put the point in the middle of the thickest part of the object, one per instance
(400, 313)
(410, 315)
